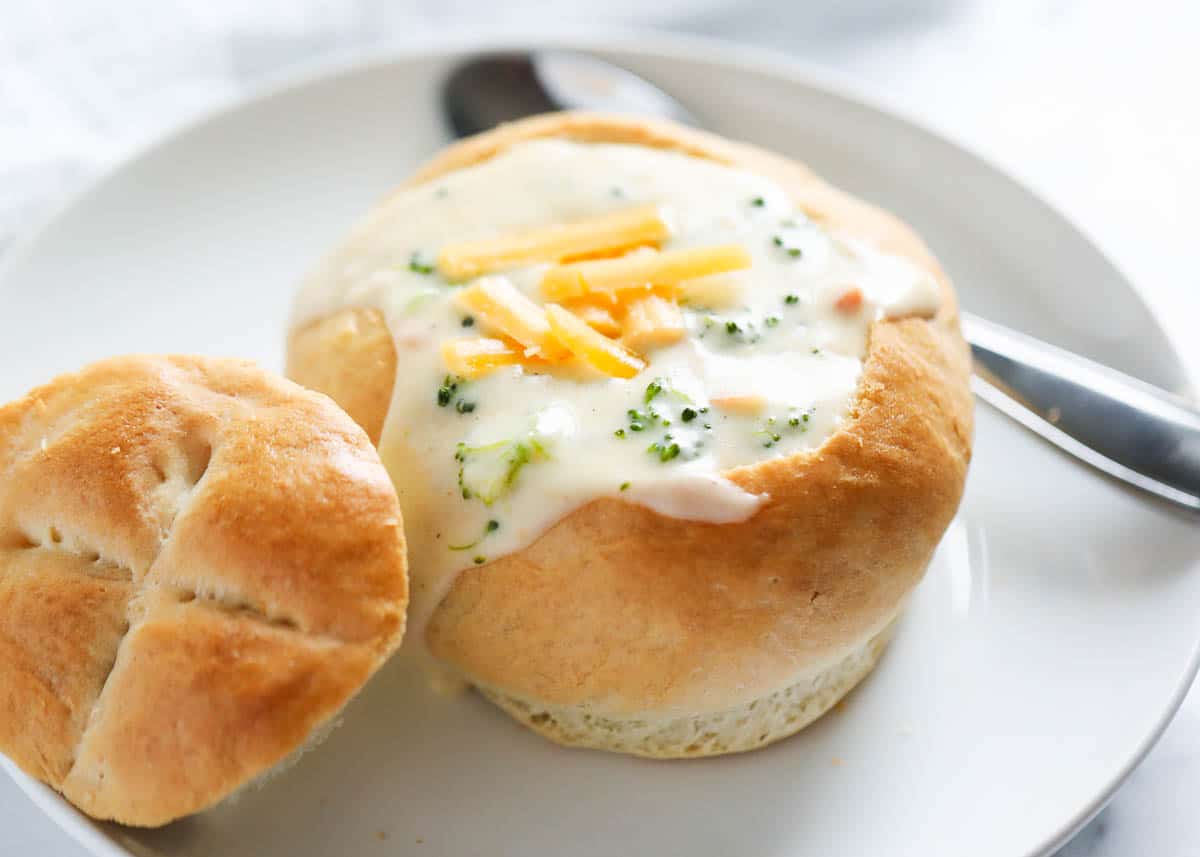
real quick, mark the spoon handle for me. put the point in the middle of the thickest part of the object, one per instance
(1118, 424)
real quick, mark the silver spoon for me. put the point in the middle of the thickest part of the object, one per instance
(1128, 429)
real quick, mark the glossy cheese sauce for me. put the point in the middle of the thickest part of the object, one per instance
(530, 448)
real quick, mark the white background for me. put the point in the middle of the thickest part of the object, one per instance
(1093, 104)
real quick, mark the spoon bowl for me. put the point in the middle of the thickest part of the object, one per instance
(495, 88)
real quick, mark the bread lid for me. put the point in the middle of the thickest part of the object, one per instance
(200, 564)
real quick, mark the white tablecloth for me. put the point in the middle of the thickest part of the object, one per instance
(1092, 102)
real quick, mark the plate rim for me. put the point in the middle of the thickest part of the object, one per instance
(651, 42)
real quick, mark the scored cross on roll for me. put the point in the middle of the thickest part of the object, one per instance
(200, 564)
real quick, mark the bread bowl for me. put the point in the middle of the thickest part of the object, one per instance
(629, 582)
(200, 564)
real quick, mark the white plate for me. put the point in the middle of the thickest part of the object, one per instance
(1046, 650)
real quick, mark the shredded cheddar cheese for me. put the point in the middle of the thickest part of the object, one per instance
(476, 357)
(598, 318)
(595, 349)
(640, 270)
(652, 321)
(745, 405)
(614, 307)
(500, 307)
(599, 236)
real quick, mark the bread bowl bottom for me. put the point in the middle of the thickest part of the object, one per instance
(756, 724)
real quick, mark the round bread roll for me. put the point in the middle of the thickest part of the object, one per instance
(625, 624)
(200, 564)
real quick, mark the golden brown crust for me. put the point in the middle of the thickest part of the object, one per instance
(361, 381)
(626, 612)
(199, 564)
